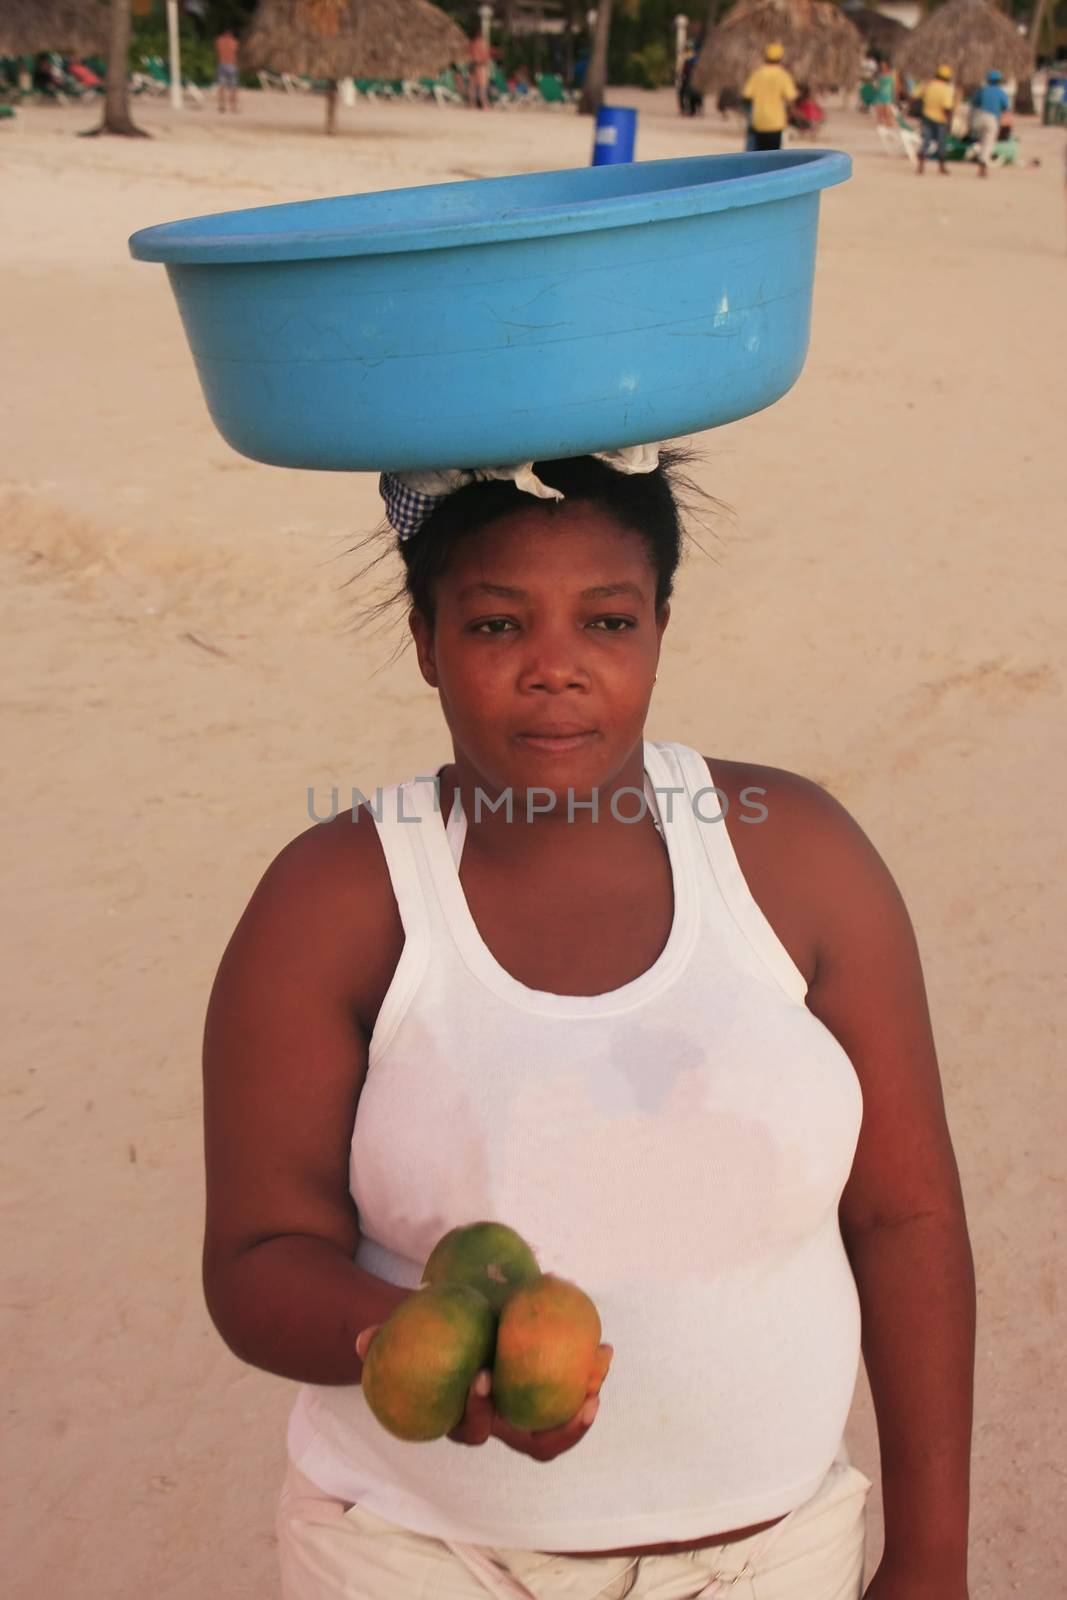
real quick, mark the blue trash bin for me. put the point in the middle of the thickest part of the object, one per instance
(616, 134)
(1055, 107)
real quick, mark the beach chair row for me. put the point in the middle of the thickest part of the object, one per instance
(49, 77)
(448, 88)
(70, 79)
(152, 77)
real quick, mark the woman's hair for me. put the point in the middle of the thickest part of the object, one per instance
(649, 504)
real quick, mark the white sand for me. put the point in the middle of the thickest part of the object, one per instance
(884, 614)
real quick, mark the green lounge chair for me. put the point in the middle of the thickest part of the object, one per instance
(550, 88)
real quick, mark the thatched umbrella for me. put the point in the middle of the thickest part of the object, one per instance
(883, 36)
(75, 27)
(822, 48)
(335, 39)
(971, 37)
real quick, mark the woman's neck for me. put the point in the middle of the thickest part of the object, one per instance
(536, 824)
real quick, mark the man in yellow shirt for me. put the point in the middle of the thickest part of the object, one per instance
(769, 91)
(938, 98)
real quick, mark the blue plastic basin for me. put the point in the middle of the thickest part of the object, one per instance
(502, 319)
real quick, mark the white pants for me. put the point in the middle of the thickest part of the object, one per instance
(330, 1551)
(987, 124)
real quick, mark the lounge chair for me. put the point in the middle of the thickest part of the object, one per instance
(155, 74)
(442, 90)
(380, 88)
(551, 89)
(499, 92)
(155, 79)
(902, 140)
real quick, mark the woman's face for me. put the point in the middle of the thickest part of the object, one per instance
(545, 648)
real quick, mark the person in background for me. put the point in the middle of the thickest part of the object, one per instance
(989, 104)
(938, 98)
(519, 82)
(1005, 152)
(808, 114)
(85, 75)
(46, 79)
(885, 96)
(690, 102)
(478, 71)
(728, 100)
(226, 65)
(770, 90)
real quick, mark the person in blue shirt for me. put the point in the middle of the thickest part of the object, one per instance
(989, 104)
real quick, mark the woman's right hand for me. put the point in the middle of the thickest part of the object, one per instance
(482, 1421)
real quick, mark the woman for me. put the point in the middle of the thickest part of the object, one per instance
(667, 1020)
(885, 96)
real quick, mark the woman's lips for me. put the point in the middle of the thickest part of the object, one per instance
(555, 743)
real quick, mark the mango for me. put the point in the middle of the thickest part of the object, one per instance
(487, 1256)
(546, 1353)
(424, 1358)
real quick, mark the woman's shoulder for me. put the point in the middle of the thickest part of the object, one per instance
(808, 857)
(340, 858)
(755, 774)
(777, 809)
(330, 886)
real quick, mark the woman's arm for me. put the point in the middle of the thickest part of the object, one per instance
(285, 1056)
(902, 1214)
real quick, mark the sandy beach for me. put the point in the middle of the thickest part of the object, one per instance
(881, 610)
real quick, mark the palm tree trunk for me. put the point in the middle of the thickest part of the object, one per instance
(331, 106)
(1024, 94)
(1037, 23)
(117, 117)
(596, 73)
(715, 9)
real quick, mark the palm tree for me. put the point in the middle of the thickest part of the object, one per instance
(715, 10)
(336, 39)
(117, 117)
(1024, 94)
(596, 73)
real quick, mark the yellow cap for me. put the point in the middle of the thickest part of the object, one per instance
(774, 52)
(944, 72)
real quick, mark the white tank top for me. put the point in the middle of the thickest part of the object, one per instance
(677, 1147)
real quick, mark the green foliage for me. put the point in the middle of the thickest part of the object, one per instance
(633, 36)
(220, 14)
(651, 67)
(635, 25)
(149, 38)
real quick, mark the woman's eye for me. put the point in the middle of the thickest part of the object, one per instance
(492, 625)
